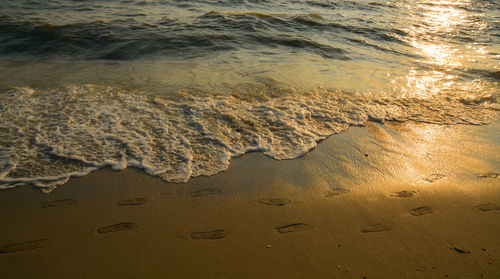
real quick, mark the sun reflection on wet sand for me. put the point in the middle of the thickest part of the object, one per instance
(432, 155)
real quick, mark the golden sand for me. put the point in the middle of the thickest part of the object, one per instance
(383, 201)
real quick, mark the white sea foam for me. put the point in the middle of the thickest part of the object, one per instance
(47, 136)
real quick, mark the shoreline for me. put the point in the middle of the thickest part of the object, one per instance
(386, 200)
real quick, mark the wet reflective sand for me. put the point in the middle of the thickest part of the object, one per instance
(418, 201)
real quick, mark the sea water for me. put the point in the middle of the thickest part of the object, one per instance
(178, 88)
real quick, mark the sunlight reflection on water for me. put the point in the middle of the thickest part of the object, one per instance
(433, 25)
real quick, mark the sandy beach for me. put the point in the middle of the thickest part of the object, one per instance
(395, 200)
(249, 139)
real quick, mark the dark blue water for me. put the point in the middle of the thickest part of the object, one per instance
(349, 40)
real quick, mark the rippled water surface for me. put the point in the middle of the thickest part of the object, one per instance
(177, 88)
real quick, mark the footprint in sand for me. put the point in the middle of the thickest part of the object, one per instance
(488, 175)
(205, 192)
(379, 227)
(297, 227)
(217, 234)
(433, 177)
(421, 210)
(336, 191)
(403, 194)
(461, 250)
(132, 202)
(125, 226)
(57, 203)
(23, 246)
(488, 206)
(275, 202)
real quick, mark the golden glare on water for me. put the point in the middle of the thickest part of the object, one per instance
(431, 26)
(443, 16)
(429, 83)
(440, 55)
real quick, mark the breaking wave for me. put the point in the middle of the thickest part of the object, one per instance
(48, 136)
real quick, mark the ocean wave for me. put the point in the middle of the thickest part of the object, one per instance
(48, 136)
(129, 38)
(114, 40)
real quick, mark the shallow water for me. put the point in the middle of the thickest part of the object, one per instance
(179, 87)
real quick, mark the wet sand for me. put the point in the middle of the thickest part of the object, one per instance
(399, 200)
